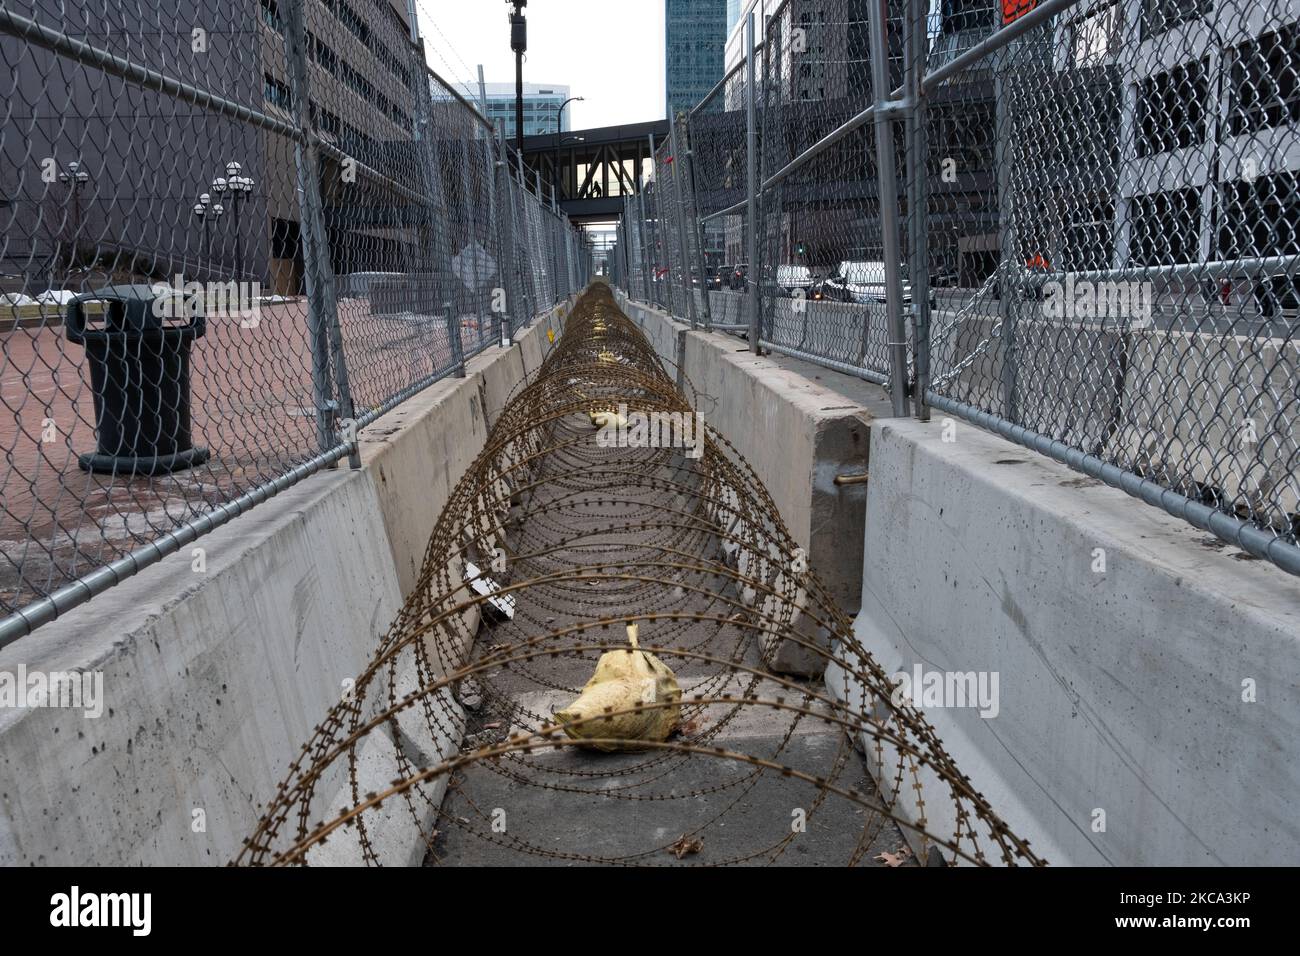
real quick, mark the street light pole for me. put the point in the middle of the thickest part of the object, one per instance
(519, 44)
(559, 113)
(206, 209)
(238, 185)
(74, 177)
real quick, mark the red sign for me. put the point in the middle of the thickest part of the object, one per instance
(1013, 10)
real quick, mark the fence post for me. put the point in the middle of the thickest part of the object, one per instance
(914, 53)
(683, 249)
(570, 279)
(888, 183)
(643, 223)
(471, 243)
(751, 189)
(439, 239)
(1006, 287)
(505, 229)
(322, 305)
(697, 227)
(494, 215)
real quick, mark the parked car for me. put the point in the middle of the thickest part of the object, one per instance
(790, 279)
(721, 277)
(739, 275)
(863, 281)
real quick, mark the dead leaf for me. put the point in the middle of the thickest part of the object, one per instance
(686, 846)
(897, 858)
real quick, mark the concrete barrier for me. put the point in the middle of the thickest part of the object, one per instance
(797, 434)
(1146, 710)
(218, 662)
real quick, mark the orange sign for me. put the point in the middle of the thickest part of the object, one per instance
(1015, 9)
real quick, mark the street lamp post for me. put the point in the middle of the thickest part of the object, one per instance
(74, 178)
(205, 209)
(238, 186)
(519, 45)
(558, 125)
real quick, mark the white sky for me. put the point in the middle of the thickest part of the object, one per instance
(609, 51)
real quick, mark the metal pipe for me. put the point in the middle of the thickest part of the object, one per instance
(751, 187)
(318, 273)
(995, 41)
(25, 620)
(718, 86)
(928, 83)
(857, 371)
(683, 249)
(1230, 528)
(36, 34)
(888, 192)
(22, 622)
(915, 49)
(459, 97)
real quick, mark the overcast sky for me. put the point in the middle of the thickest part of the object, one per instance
(609, 51)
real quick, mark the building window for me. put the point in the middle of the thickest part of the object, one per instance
(1160, 15)
(1165, 228)
(1261, 217)
(322, 54)
(325, 121)
(1266, 81)
(1095, 36)
(1088, 236)
(271, 15)
(1171, 109)
(276, 93)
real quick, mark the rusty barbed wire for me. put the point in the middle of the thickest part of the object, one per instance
(551, 544)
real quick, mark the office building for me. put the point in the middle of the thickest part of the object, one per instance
(541, 102)
(695, 33)
(129, 142)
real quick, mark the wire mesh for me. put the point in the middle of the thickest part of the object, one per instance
(229, 237)
(1097, 243)
(557, 541)
(1142, 309)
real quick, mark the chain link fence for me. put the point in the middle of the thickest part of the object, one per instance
(1073, 222)
(232, 236)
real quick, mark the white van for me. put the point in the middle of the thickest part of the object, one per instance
(790, 278)
(862, 281)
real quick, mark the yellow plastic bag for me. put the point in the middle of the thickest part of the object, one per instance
(623, 679)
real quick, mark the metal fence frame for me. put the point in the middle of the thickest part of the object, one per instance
(540, 258)
(901, 107)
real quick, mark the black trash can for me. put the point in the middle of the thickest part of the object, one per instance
(138, 349)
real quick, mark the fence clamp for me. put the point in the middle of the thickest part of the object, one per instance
(896, 107)
(329, 413)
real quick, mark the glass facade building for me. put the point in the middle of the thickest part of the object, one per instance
(540, 103)
(695, 36)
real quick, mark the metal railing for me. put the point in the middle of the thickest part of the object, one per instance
(1071, 222)
(228, 245)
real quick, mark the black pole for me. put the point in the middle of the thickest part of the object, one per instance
(519, 43)
(519, 103)
(239, 239)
